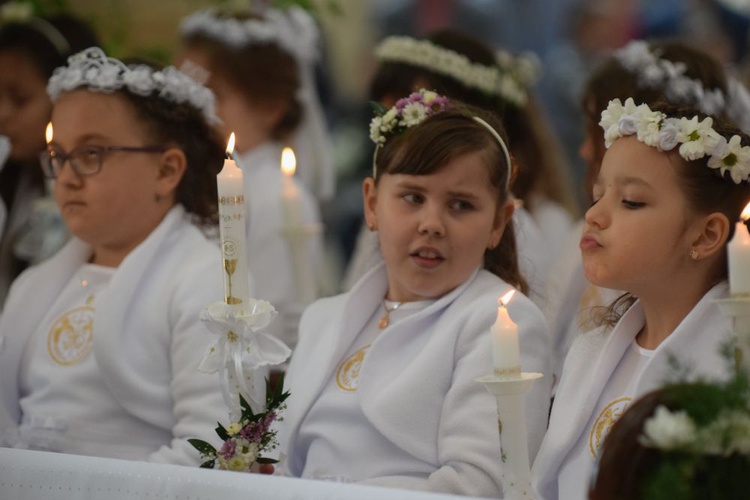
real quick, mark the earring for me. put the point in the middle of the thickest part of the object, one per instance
(694, 254)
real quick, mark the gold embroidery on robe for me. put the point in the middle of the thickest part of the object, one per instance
(604, 422)
(71, 336)
(348, 373)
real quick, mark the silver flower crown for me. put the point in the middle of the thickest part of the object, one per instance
(695, 139)
(509, 79)
(91, 68)
(654, 72)
(292, 29)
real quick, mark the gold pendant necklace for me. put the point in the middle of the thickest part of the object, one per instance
(385, 320)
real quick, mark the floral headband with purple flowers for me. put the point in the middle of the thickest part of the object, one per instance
(411, 111)
(694, 139)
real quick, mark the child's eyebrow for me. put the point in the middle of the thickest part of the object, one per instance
(627, 180)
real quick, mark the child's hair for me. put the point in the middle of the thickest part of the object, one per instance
(541, 165)
(443, 136)
(47, 41)
(174, 110)
(705, 461)
(613, 80)
(707, 190)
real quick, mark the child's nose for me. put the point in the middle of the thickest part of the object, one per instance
(432, 222)
(596, 215)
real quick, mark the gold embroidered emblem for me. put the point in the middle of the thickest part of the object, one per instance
(347, 375)
(71, 336)
(604, 422)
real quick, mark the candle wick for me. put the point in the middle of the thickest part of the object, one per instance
(746, 222)
(228, 156)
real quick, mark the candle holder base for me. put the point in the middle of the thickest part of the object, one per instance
(514, 448)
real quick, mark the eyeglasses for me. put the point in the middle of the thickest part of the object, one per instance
(86, 160)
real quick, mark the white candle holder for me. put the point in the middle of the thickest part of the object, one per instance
(738, 308)
(514, 447)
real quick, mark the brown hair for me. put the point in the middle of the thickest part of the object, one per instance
(705, 189)
(541, 164)
(264, 73)
(428, 147)
(185, 127)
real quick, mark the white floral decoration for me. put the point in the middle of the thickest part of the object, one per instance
(292, 29)
(728, 433)
(16, 12)
(91, 68)
(508, 79)
(694, 138)
(655, 72)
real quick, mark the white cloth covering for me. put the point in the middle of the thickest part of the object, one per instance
(417, 385)
(269, 258)
(148, 340)
(696, 342)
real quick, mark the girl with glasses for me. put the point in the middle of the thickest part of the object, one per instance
(101, 342)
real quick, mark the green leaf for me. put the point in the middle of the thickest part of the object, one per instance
(247, 411)
(203, 447)
(208, 464)
(264, 460)
(223, 433)
(380, 110)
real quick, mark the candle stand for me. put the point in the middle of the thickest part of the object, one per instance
(738, 308)
(509, 392)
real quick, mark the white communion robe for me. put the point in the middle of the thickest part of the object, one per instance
(594, 356)
(416, 386)
(147, 344)
(270, 260)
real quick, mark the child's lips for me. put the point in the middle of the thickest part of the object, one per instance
(427, 257)
(589, 242)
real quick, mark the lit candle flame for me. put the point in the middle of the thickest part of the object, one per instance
(506, 298)
(230, 144)
(48, 132)
(745, 213)
(288, 162)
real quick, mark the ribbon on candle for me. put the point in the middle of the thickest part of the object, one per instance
(738, 251)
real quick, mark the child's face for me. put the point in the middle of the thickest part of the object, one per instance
(115, 208)
(434, 229)
(637, 233)
(24, 105)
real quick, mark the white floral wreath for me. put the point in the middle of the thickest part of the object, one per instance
(695, 139)
(509, 79)
(654, 72)
(91, 68)
(292, 29)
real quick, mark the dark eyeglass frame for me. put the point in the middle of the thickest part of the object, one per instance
(48, 156)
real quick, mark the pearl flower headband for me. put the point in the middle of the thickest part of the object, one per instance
(695, 139)
(91, 68)
(654, 72)
(507, 79)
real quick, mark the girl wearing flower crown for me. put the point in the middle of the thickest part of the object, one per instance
(30, 49)
(463, 68)
(390, 366)
(101, 342)
(648, 72)
(671, 186)
(261, 68)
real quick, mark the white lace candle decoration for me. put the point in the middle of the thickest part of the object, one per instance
(739, 257)
(232, 232)
(506, 354)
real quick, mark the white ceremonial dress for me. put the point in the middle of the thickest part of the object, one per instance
(594, 356)
(270, 261)
(147, 344)
(416, 387)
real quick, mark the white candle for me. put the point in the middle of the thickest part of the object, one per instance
(232, 232)
(739, 257)
(506, 355)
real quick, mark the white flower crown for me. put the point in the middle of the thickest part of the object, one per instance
(91, 68)
(654, 72)
(292, 29)
(509, 79)
(695, 139)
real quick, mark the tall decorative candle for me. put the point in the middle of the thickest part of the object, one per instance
(232, 232)
(506, 355)
(739, 258)
(296, 231)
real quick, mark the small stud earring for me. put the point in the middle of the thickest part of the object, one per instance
(694, 254)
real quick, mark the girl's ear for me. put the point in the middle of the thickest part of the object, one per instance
(171, 169)
(712, 236)
(502, 216)
(370, 195)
